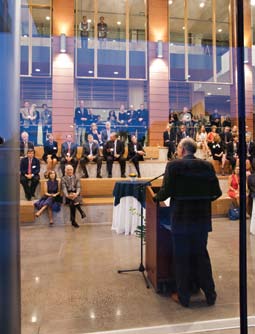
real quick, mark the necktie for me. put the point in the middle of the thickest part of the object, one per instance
(69, 148)
(29, 170)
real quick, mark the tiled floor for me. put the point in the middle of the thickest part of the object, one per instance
(70, 282)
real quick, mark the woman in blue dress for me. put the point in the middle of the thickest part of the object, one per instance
(51, 199)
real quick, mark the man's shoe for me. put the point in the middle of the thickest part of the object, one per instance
(99, 176)
(176, 299)
(75, 224)
(109, 176)
(83, 214)
(123, 176)
(211, 298)
(85, 176)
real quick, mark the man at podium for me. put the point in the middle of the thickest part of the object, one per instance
(191, 184)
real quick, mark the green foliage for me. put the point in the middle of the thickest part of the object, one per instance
(140, 231)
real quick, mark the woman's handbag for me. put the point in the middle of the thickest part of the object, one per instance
(233, 213)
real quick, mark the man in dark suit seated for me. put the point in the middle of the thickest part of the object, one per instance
(50, 153)
(169, 137)
(90, 153)
(114, 151)
(29, 174)
(233, 151)
(182, 133)
(135, 153)
(25, 144)
(191, 184)
(68, 154)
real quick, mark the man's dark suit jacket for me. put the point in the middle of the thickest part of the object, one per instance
(104, 136)
(131, 150)
(50, 149)
(230, 150)
(64, 150)
(169, 136)
(30, 145)
(110, 144)
(86, 149)
(78, 114)
(24, 166)
(192, 185)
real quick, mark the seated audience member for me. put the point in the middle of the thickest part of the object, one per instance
(142, 123)
(250, 149)
(226, 137)
(233, 191)
(251, 187)
(211, 134)
(25, 144)
(201, 139)
(234, 130)
(135, 153)
(92, 118)
(50, 153)
(68, 154)
(29, 173)
(226, 122)
(90, 153)
(95, 134)
(233, 151)
(122, 123)
(51, 199)
(132, 117)
(71, 188)
(106, 133)
(169, 137)
(217, 151)
(112, 118)
(182, 133)
(114, 151)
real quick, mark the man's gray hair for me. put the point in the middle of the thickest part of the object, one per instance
(189, 145)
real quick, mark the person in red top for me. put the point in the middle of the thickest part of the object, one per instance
(233, 191)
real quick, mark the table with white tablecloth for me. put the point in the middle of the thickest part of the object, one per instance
(129, 203)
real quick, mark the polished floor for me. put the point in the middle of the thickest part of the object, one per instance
(70, 284)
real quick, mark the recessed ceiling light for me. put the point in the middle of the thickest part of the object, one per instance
(209, 93)
(183, 28)
(219, 30)
(219, 88)
(118, 23)
(90, 71)
(253, 2)
(25, 36)
(202, 4)
(170, 2)
(37, 70)
(47, 18)
(89, 20)
(115, 72)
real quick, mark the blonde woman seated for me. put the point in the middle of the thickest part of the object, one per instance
(51, 199)
(233, 191)
(217, 151)
(201, 139)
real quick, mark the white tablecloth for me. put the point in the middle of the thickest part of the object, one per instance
(123, 220)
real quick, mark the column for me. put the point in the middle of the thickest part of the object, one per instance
(10, 312)
(158, 70)
(63, 69)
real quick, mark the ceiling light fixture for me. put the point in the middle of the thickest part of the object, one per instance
(202, 4)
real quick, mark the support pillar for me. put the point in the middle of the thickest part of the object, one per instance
(158, 70)
(10, 309)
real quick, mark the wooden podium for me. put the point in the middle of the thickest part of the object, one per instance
(158, 264)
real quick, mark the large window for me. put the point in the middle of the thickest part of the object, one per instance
(200, 41)
(111, 39)
(35, 38)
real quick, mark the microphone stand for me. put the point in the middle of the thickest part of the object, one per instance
(141, 268)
